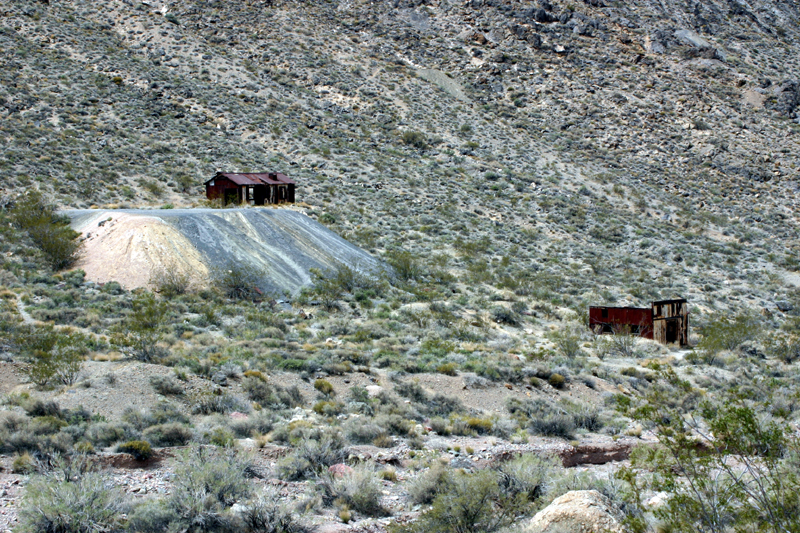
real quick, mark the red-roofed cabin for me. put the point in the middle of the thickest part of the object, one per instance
(257, 188)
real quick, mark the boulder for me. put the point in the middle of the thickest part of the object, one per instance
(578, 511)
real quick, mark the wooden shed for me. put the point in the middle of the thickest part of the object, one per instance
(256, 188)
(666, 321)
(671, 321)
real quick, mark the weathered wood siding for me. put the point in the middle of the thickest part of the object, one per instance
(671, 322)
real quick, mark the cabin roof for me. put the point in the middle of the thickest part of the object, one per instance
(255, 178)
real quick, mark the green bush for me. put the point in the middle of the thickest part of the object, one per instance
(166, 385)
(239, 281)
(208, 482)
(417, 139)
(71, 499)
(324, 387)
(170, 281)
(467, 503)
(723, 332)
(170, 434)
(358, 489)
(720, 460)
(428, 484)
(314, 453)
(49, 231)
(557, 381)
(528, 475)
(144, 326)
(448, 369)
(52, 354)
(139, 449)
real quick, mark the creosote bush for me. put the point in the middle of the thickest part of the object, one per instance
(49, 231)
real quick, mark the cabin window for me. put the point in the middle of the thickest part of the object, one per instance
(604, 313)
(211, 183)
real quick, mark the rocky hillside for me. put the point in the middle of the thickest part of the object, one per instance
(637, 149)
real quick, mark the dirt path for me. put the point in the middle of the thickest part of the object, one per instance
(26, 318)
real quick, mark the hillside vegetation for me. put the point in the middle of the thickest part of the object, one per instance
(508, 163)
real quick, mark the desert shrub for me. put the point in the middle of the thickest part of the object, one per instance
(503, 315)
(623, 341)
(40, 407)
(48, 230)
(405, 266)
(542, 417)
(239, 281)
(316, 452)
(265, 514)
(23, 464)
(170, 434)
(441, 405)
(448, 369)
(428, 484)
(417, 139)
(358, 489)
(784, 346)
(139, 449)
(395, 424)
(527, 475)
(725, 464)
(328, 408)
(143, 327)
(723, 332)
(360, 431)
(256, 424)
(70, 499)
(52, 355)
(210, 403)
(557, 381)
(324, 387)
(166, 385)
(105, 434)
(46, 425)
(568, 340)
(468, 503)
(207, 483)
(170, 281)
(411, 390)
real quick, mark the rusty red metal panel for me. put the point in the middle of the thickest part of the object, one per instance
(607, 319)
(220, 185)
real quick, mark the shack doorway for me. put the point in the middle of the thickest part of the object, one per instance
(672, 331)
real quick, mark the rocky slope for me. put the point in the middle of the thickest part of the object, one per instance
(646, 144)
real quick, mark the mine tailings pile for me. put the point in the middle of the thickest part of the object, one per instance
(130, 246)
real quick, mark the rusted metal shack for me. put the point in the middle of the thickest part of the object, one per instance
(666, 321)
(254, 188)
(636, 320)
